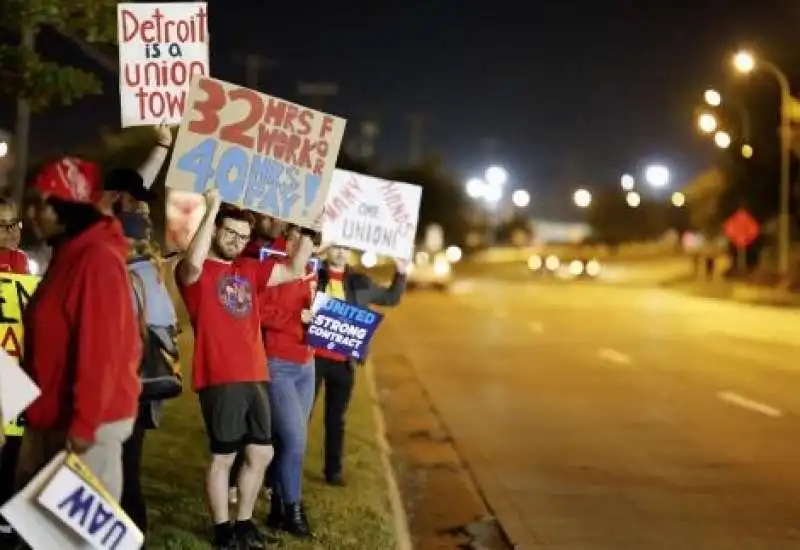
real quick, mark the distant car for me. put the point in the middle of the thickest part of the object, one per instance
(564, 268)
(430, 271)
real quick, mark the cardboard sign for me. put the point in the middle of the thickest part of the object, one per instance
(162, 46)
(65, 507)
(372, 214)
(341, 327)
(17, 390)
(262, 153)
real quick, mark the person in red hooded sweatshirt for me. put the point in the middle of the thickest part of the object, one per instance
(82, 344)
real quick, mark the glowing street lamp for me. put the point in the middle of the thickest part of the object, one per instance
(657, 175)
(633, 199)
(713, 98)
(476, 188)
(707, 123)
(678, 199)
(747, 151)
(582, 198)
(722, 139)
(493, 194)
(521, 198)
(744, 62)
(496, 176)
(627, 182)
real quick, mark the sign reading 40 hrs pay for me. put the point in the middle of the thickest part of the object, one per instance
(262, 153)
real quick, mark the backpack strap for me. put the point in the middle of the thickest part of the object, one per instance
(140, 295)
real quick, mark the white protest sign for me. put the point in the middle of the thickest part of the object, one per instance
(372, 214)
(17, 390)
(161, 47)
(262, 153)
(60, 509)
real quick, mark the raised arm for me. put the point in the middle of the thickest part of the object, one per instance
(390, 295)
(295, 268)
(152, 166)
(191, 266)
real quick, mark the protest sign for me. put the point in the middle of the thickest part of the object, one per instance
(15, 293)
(64, 506)
(162, 46)
(372, 214)
(341, 327)
(262, 153)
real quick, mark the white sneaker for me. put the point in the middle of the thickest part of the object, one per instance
(233, 495)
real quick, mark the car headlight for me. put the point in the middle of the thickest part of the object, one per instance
(593, 268)
(441, 267)
(576, 267)
(552, 263)
(535, 263)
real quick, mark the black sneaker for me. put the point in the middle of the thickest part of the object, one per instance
(250, 538)
(295, 521)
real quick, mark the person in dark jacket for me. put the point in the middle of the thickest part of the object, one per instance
(81, 316)
(335, 371)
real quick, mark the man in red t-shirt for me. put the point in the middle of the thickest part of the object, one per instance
(229, 367)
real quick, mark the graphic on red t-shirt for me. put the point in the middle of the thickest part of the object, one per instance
(228, 347)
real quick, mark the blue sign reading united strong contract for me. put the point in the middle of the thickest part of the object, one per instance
(341, 327)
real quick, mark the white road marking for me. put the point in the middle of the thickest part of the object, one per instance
(745, 403)
(614, 356)
(536, 327)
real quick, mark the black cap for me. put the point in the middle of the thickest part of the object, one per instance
(126, 180)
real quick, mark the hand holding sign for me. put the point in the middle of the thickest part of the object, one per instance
(341, 327)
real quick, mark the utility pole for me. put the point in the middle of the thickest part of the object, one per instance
(417, 126)
(23, 124)
(317, 93)
(254, 65)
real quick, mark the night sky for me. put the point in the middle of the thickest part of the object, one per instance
(568, 93)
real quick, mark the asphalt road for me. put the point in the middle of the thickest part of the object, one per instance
(610, 418)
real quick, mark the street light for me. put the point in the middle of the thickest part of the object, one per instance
(722, 139)
(493, 194)
(657, 175)
(747, 151)
(713, 98)
(678, 199)
(633, 199)
(745, 62)
(476, 188)
(582, 198)
(627, 182)
(707, 123)
(521, 198)
(496, 176)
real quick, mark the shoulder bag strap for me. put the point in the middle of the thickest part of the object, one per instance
(141, 303)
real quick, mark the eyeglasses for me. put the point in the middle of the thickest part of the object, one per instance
(13, 225)
(235, 235)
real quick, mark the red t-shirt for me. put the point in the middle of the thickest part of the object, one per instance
(223, 311)
(14, 261)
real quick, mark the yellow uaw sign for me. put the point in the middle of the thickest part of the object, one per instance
(15, 292)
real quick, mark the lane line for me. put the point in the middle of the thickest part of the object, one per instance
(536, 327)
(614, 356)
(741, 401)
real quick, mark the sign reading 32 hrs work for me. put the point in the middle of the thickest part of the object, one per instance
(341, 327)
(262, 153)
(162, 46)
(372, 214)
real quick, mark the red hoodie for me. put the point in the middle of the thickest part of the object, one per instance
(280, 308)
(82, 344)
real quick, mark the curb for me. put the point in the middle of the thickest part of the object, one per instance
(395, 500)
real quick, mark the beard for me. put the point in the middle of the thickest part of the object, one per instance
(223, 253)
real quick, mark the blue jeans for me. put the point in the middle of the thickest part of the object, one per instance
(291, 394)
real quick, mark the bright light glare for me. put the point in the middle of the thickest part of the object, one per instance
(3, 148)
(441, 266)
(369, 259)
(627, 182)
(453, 254)
(593, 268)
(521, 198)
(582, 198)
(576, 267)
(493, 194)
(722, 139)
(707, 123)
(678, 199)
(744, 62)
(476, 188)
(535, 263)
(633, 199)
(747, 151)
(713, 98)
(496, 175)
(552, 263)
(657, 175)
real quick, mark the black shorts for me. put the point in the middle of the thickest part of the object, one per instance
(236, 414)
